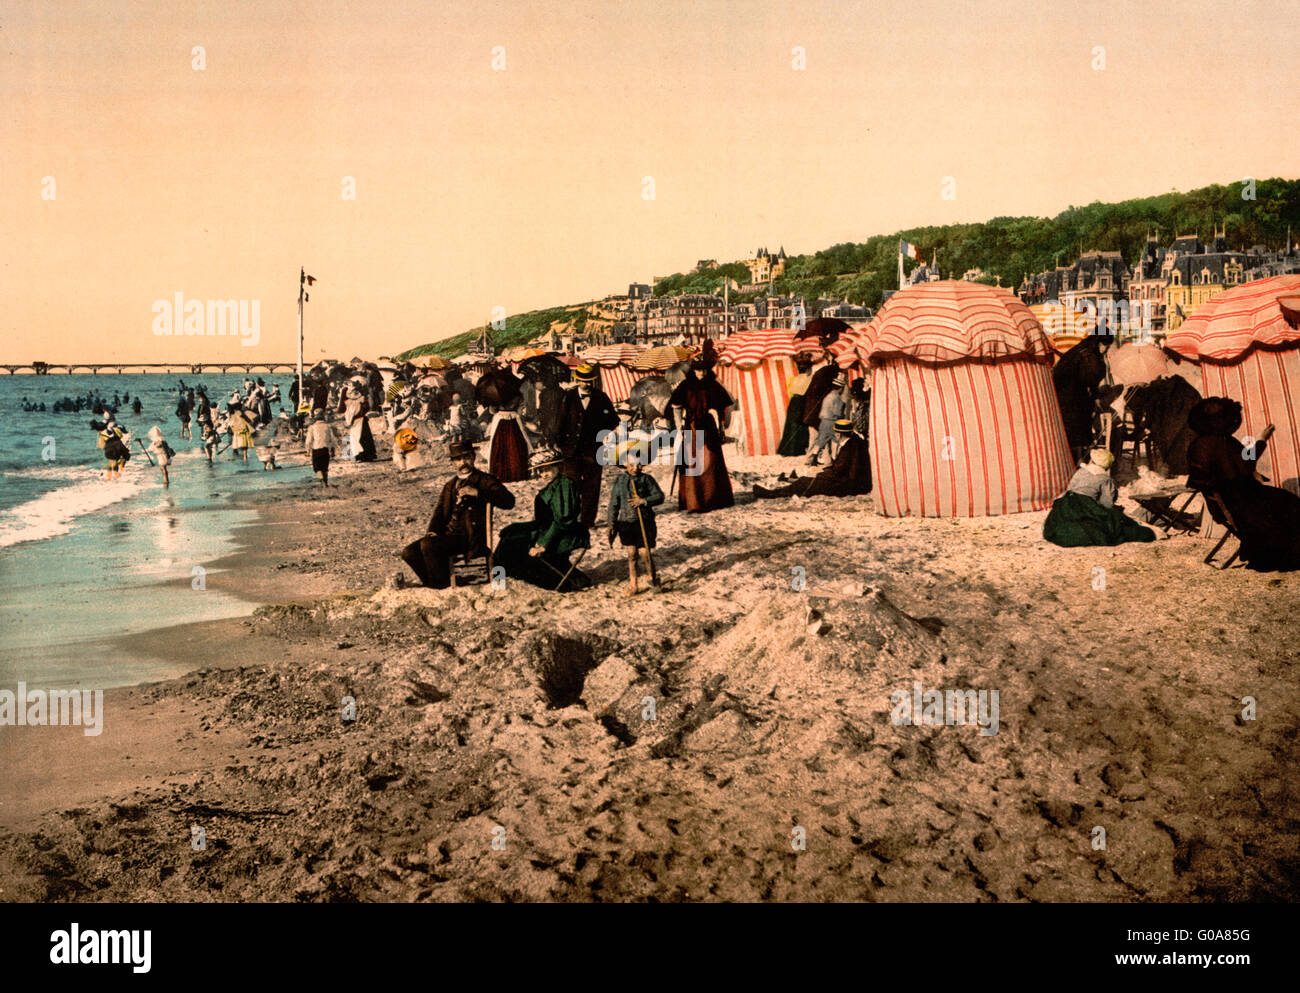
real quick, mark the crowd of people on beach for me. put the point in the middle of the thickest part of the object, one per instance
(590, 434)
(564, 429)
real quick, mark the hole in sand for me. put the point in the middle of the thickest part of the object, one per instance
(562, 666)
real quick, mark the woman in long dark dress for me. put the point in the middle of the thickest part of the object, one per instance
(538, 551)
(794, 435)
(1267, 518)
(704, 483)
(508, 454)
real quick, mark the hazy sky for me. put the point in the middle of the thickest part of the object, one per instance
(523, 188)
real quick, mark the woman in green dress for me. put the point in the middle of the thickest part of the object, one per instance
(538, 551)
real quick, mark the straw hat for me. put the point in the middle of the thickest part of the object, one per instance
(543, 457)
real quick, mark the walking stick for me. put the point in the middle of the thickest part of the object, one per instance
(563, 575)
(645, 541)
(146, 452)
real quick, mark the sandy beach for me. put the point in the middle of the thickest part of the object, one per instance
(728, 737)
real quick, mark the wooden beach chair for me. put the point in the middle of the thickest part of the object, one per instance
(1219, 512)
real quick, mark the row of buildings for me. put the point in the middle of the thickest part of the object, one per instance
(1164, 286)
(1150, 297)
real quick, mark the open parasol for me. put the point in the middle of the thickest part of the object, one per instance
(661, 357)
(497, 387)
(824, 329)
(1136, 364)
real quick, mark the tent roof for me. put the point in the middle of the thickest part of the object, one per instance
(948, 321)
(746, 349)
(1265, 312)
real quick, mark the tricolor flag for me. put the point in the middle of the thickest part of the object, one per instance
(911, 251)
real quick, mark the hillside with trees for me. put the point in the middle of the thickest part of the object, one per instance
(1005, 248)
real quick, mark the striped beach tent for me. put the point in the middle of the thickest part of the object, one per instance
(964, 419)
(754, 367)
(616, 372)
(1247, 343)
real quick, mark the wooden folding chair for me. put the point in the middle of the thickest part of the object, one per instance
(1219, 512)
(466, 562)
(1134, 435)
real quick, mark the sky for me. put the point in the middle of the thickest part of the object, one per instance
(133, 168)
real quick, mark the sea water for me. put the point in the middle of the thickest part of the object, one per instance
(84, 560)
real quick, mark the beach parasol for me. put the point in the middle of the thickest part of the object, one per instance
(661, 357)
(612, 354)
(1135, 364)
(521, 353)
(824, 329)
(546, 369)
(431, 361)
(497, 388)
(648, 398)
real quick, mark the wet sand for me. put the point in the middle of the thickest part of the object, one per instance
(728, 737)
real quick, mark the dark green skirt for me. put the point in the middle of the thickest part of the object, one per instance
(1077, 521)
(794, 439)
(545, 570)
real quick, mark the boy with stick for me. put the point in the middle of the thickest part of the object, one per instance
(631, 498)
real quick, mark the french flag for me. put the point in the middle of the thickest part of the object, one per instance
(911, 251)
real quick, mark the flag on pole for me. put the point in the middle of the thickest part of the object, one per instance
(911, 251)
(311, 280)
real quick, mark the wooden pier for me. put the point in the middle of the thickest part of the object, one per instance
(188, 368)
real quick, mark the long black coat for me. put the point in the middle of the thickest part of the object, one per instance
(580, 429)
(1078, 378)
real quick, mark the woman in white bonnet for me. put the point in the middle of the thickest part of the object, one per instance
(1085, 514)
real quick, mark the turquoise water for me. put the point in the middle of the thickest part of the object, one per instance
(83, 560)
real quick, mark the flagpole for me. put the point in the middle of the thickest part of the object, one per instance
(302, 282)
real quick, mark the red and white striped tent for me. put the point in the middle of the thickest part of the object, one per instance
(754, 367)
(1247, 342)
(615, 364)
(964, 419)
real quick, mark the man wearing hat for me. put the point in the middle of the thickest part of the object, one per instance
(459, 522)
(584, 414)
(831, 411)
(848, 475)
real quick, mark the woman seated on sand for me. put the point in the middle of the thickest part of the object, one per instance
(1266, 518)
(1086, 513)
(537, 551)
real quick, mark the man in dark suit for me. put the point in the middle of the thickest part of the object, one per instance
(459, 522)
(848, 475)
(584, 414)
